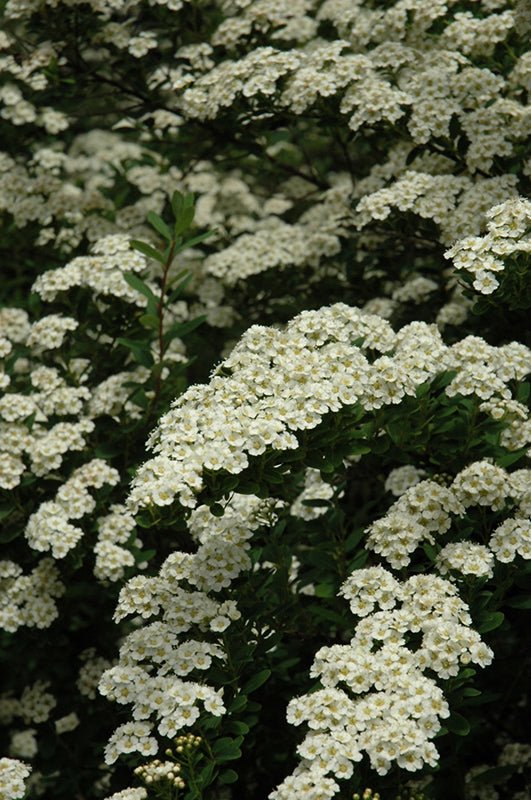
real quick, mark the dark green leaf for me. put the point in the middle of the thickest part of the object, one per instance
(256, 681)
(458, 724)
(523, 601)
(490, 622)
(159, 225)
(7, 534)
(238, 704)
(228, 776)
(227, 749)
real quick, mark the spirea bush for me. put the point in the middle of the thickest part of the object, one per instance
(264, 411)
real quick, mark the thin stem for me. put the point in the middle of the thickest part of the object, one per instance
(160, 331)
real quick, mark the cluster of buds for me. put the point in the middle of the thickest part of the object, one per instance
(368, 794)
(155, 771)
(186, 743)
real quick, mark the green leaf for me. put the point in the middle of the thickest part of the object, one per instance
(430, 551)
(522, 601)
(490, 622)
(144, 555)
(228, 776)
(471, 692)
(147, 250)
(140, 351)
(8, 534)
(137, 283)
(493, 775)
(256, 681)
(184, 221)
(150, 321)
(180, 329)
(195, 240)
(234, 726)
(238, 704)
(6, 510)
(177, 201)
(204, 778)
(358, 449)
(457, 724)
(324, 590)
(179, 288)
(227, 749)
(510, 458)
(160, 226)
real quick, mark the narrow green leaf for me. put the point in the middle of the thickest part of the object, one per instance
(256, 681)
(180, 329)
(147, 250)
(194, 240)
(160, 226)
(177, 200)
(137, 283)
(179, 288)
(184, 220)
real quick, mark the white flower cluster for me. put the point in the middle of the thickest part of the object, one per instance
(508, 234)
(114, 530)
(181, 595)
(402, 478)
(49, 332)
(13, 775)
(111, 396)
(173, 700)
(102, 272)
(423, 513)
(49, 528)
(34, 704)
(137, 793)
(468, 558)
(512, 538)
(91, 672)
(29, 599)
(24, 744)
(376, 697)
(283, 381)
(456, 203)
(67, 723)
(278, 246)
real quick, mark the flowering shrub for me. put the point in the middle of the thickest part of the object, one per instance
(264, 411)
